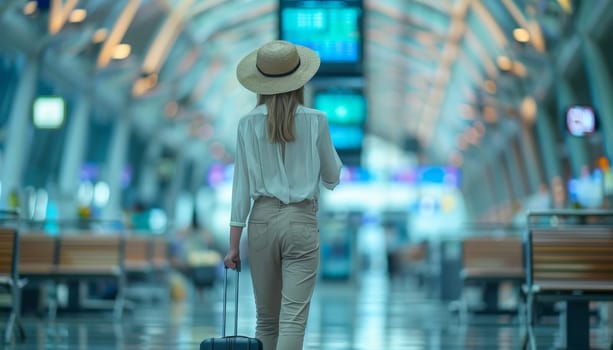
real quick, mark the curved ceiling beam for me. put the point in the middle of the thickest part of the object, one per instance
(442, 6)
(240, 17)
(402, 17)
(68, 69)
(436, 95)
(59, 13)
(166, 38)
(117, 33)
(493, 28)
(484, 58)
(205, 6)
(401, 48)
(532, 26)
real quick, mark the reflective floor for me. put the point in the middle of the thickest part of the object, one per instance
(371, 314)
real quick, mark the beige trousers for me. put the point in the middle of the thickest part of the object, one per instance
(283, 250)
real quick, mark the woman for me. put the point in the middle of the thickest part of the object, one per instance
(283, 153)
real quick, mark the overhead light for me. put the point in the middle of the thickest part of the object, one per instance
(566, 5)
(504, 63)
(59, 13)
(521, 35)
(30, 8)
(490, 87)
(144, 84)
(77, 16)
(528, 109)
(489, 114)
(118, 32)
(99, 35)
(519, 69)
(122, 51)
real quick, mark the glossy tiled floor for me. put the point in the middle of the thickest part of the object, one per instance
(371, 314)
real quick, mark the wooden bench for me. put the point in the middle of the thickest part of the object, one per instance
(9, 278)
(488, 261)
(160, 254)
(87, 256)
(137, 252)
(73, 257)
(7, 252)
(571, 264)
(37, 253)
(37, 260)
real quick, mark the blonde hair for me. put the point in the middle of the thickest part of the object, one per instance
(281, 111)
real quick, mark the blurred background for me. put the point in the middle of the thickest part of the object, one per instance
(453, 118)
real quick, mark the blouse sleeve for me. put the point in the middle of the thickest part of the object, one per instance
(241, 200)
(330, 162)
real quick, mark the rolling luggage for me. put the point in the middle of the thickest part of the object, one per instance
(233, 342)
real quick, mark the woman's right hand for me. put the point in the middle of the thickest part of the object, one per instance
(232, 259)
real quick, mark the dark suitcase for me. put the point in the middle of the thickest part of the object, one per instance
(233, 342)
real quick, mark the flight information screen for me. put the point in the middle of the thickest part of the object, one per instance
(332, 28)
(342, 107)
(346, 111)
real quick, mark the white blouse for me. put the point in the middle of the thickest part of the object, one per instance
(260, 169)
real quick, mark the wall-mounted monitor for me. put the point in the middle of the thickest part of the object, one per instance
(347, 137)
(49, 112)
(581, 120)
(332, 28)
(344, 107)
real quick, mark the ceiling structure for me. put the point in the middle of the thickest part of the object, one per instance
(442, 72)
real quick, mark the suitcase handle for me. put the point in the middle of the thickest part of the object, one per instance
(225, 296)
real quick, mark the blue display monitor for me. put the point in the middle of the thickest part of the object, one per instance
(344, 107)
(347, 137)
(332, 28)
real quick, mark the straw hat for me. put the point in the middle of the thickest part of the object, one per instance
(277, 67)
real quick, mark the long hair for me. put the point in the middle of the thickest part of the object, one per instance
(281, 111)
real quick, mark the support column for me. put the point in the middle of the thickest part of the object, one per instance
(575, 146)
(493, 191)
(199, 173)
(73, 155)
(548, 146)
(16, 147)
(514, 175)
(499, 183)
(500, 180)
(149, 185)
(528, 154)
(601, 86)
(469, 189)
(115, 165)
(177, 182)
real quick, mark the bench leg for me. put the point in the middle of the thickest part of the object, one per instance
(22, 332)
(577, 325)
(14, 318)
(8, 331)
(530, 317)
(52, 300)
(120, 298)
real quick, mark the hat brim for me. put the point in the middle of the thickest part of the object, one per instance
(249, 76)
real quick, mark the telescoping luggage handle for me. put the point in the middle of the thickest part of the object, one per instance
(225, 296)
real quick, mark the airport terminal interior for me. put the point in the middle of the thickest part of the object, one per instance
(474, 209)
